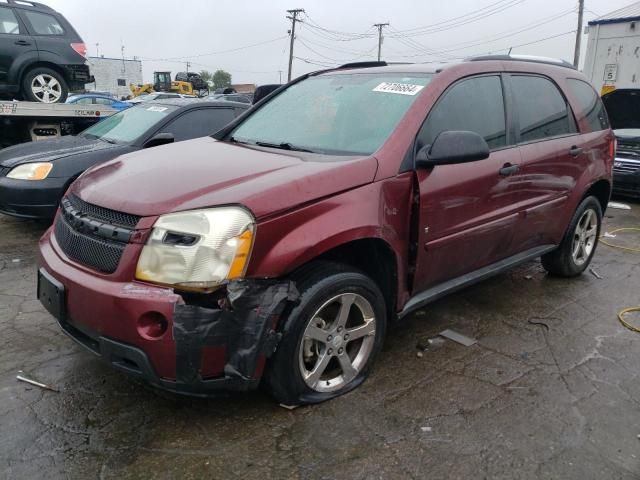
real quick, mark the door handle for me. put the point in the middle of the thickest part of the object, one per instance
(574, 151)
(22, 42)
(509, 169)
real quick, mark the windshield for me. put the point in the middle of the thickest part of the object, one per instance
(130, 124)
(349, 114)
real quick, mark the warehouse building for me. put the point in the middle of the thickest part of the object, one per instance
(114, 75)
(613, 50)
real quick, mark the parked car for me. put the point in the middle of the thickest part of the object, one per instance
(281, 248)
(231, 97)
(623, 106)
(41, 55)
(97, 99)
(149, 97)
(34, 175)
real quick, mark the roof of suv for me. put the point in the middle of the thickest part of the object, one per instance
(381, 67)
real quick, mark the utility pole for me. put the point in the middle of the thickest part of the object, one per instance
(294, 18)
(98, 49)
(280, 74)
(380, 26)
(576, 54)
(188, 65)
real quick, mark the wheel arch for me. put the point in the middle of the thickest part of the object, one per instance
(374, 257)
(43, 64)
(601, 189)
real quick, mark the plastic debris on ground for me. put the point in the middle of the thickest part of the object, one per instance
(458, 337)
(595, 274)
(22, 378)
(619, 206)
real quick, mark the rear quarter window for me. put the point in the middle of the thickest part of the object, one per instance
(589, 105)
(43, 24)
(8, 22)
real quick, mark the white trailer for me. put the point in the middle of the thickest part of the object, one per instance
(613, 50)
(31, 121)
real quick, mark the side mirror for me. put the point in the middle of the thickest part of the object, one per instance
(159, 139)
(453, 147)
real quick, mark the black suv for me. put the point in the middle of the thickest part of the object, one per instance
(41, 55)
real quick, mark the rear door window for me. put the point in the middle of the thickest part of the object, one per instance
(199, 123)
(475, 105)
(104, 101)
(541, 109)
(43, 24)
(591, 107)
(8, 22)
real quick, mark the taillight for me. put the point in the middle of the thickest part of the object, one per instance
(80, 48)
(613, 144)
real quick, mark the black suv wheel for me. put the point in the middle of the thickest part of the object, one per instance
(44, 85)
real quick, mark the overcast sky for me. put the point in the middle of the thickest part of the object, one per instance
(332, 31)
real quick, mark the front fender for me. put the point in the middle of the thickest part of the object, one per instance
(378, 210)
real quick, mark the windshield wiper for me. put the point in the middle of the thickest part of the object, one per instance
(283, 146)
(112, 142)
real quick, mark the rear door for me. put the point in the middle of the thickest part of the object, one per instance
(552, 158)
(467, 211)
(15, 45)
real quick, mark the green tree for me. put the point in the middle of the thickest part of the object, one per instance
(221, 79)
(207, 76)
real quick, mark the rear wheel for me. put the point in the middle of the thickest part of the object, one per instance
(45, 86)
(330, 338)
(579, 244)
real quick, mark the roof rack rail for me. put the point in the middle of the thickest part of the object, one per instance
(28, 3)
(363, 65)
(524, 58)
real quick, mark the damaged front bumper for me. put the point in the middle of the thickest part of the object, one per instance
(203, 350)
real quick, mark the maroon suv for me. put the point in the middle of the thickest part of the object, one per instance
(280, 249)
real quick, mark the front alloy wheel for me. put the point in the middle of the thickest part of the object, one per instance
(330, 338)
(337, 342)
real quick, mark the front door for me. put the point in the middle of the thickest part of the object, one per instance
(14, 43)
(467, 211)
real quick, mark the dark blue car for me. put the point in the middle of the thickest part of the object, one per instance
(97, 99)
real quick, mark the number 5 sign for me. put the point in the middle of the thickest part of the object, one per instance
(610, 72)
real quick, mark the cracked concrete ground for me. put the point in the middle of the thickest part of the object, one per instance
(524, 402)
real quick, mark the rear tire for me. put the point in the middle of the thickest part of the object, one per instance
(44, 85)
(578, 246)
(330, 338)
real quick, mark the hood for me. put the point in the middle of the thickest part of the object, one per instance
(205, 172)
(622, 107)
(628, 133)
(52, 150)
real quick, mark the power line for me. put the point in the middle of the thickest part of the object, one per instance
(493, 38)
(219, 52)
(462, 20)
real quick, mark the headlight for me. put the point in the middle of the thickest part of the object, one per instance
(31, 171)
(198, 249)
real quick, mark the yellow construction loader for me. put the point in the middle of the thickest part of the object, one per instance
(187, 83)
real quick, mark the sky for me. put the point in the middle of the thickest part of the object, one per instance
(249, 38)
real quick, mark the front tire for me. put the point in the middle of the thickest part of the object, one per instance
(578, 246)
(44, 85)
(330, 339)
